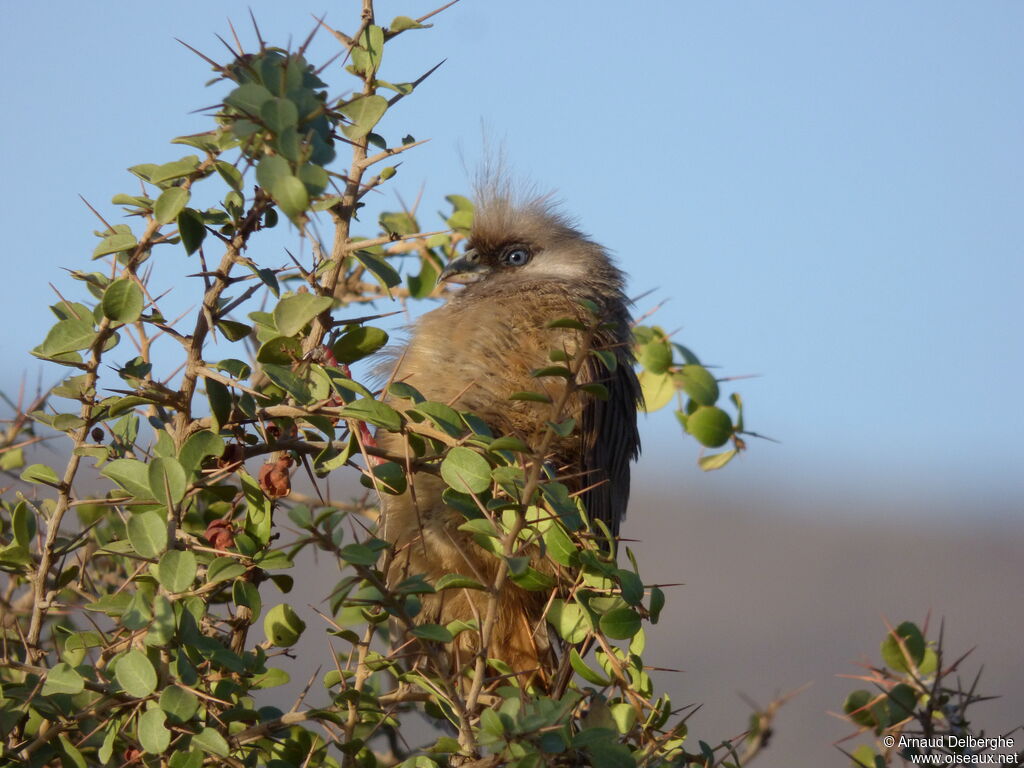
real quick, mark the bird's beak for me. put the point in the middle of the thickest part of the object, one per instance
(466, 269)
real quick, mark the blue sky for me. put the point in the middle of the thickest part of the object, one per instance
(828, 195)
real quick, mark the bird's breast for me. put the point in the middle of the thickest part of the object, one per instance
(483, 346)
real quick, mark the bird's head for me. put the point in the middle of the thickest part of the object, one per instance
(528, 241)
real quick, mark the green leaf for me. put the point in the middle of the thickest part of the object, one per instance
(913, 641)
(170, 204)
(466, 471)
(286, 379)
(291, 195)
(314, 177)
(563, 428)
(422, 285)
(12, 459)
(63, 678)
(292, 313)
(364, 112)
(122, 241)
(272, 169)
(280, 350)
(655, 356)
(710, 425)
(587, 673)
(902, 701)
(197, 447)
(613, 755)
(442, 416)
(373, 412)
(132, 201)
(135, 674)
(179, 704)
(23, 524)
(532, 580)
(620, 623)
(211, 741)
(220, 402)
(858, 706)
(222, 569)
(174, 169)
(230, 174)
(123, 301)
(279, 114)
(130, 474)
(929, 664)
(457, 581)
(143, 170)
(358, 554)
(509, 443)
(359, 342)
(638, 642)
(699, 384)
(632, 587)
(553, 370)
(177, 570)
(491, 723)
(191, 759)
(865, 757)
(153, 734)
(167, 480)
(657, 389)
(399, 223)
(72, 756)
(460, 202)
(716, 460)
(15, 555)
(272, 678)
(434, 632)
(67, 336)
(390, 478)
(570, 620)
(559, 546)
(624, 715)
(402, 23)
(249, 98)
(40, 474)
(246, 594)
(147, 533)
(657, 603)
(366, 55)
(283, 626)
(379, 268)
(106, 750)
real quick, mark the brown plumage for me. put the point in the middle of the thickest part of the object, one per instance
(524, 266)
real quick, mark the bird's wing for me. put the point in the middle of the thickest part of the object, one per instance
(609, 434)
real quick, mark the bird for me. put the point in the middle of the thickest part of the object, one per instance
(525, 265)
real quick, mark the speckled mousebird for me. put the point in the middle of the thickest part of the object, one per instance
(525, 265)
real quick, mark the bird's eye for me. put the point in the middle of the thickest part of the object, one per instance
(516, 257)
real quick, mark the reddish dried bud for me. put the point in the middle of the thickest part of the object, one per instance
(131, 754)
(221, 534)
(97, 434)
(273, 431)
(328, 357)
(368, 440)
(274, 478)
